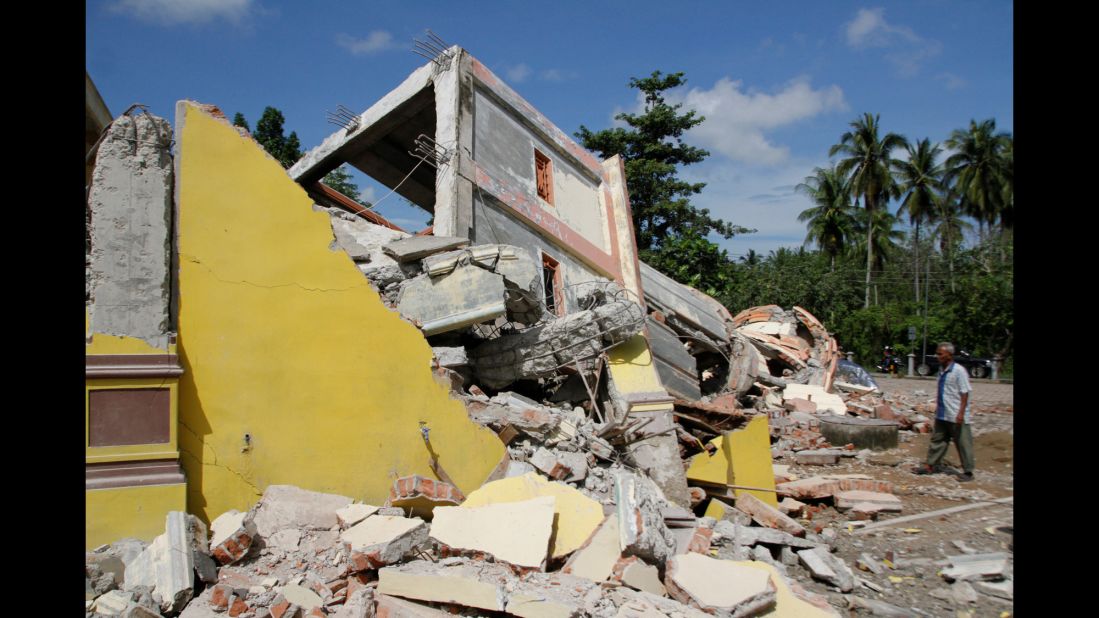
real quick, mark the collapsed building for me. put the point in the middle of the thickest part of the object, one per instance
(248, 327)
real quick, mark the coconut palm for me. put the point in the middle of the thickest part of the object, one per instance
(867, 161)
(949, 230)
(981, 172)
(831, 224)
(883, 234)
(920, 178)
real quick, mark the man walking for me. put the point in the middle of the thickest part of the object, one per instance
(952, 417)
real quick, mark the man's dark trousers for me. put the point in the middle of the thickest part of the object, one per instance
(962, 436)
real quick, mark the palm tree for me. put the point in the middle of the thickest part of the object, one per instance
(830, 221)
(868, 161)
(981, 172)
(949, 231)
(883, 234)
(920, 178)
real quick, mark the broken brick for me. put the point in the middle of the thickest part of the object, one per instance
(421, 495)
(767, 515)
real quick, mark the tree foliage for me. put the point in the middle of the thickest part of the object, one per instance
(671, 232)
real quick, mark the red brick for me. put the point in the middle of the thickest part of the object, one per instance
(883, 411)
(700, 541)
(220, 597)
(768, 515)
(238, 607)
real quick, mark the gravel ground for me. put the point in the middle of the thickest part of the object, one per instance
(918, 548)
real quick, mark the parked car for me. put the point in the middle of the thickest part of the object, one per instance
(977, 367)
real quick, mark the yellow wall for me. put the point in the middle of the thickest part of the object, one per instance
(283, 339)
(743, 458)
(129, 512)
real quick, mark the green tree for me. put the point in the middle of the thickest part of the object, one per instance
(668, 227)
(981, 174)
(830, 221)
(239, 121)
(269, 133)
(884, 236)
(921, 178)
(340, 180)
(867, 160)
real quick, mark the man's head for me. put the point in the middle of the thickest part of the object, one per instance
(945, 352)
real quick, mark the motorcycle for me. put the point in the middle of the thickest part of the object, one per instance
(890, 363)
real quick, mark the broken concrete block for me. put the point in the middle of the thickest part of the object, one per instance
(166, 565)
(421, 495)
(879, 608)
(867, 563)
(140, 611)
(767, 515)
(286, 506)
(231, 536)
(354, 513)
(865, 511)
(480, 585)
(548, 595)
(963, 593)
(396, 607)
(827, 568)
(1001, 590)
(634, 573)
(848, 499)
(719, 585)
(518, 468)
(415, 248)
(577, 515)
(637, 604)
(517, 533)
(821, 457)
(450, 356)
(546, 461)
(466, 296)
(301, 596)
(112, 603)
(797, 404)
(791, 507)
(380, 540)
(976, 567)
(287, 539)
(787, 556)
(641, 527)
(825, 401)
(826, 486)
(595, 560)
(790, 598)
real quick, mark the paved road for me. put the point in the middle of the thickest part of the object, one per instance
(984, 393)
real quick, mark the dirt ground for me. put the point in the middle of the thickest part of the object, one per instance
(920, 547)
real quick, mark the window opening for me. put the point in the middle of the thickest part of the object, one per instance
(543, 173)
(552, 286)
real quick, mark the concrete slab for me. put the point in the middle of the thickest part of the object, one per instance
(826, 402)
(817, 457)
(418, 247)
(596, 558)
(380, 540)
(286, 506)
(481, 585)
(976, 567)
(768, 516)
(827, 568)
(885, 502)
(517, 533)
(466, 296)
(641, 530)
(577, 515)
(396, 607)
(640, 576)
(719, 585)
(354, 513)
(787, 603)
(166, 565)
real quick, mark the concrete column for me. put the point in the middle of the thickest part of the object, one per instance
(131, 205)
(996, 362)
(911, 364)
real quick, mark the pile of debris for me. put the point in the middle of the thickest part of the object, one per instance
(525, 546)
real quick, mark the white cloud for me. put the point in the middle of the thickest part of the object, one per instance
(368, 195)
(518, 73)
(171, 12)
(556, 75)
(737, 119)
(763, 199)
(952, 81)
(376, 41)
(908, 50)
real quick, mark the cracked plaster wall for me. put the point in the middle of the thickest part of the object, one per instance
(283, 340)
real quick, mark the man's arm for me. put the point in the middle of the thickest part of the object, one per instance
(961, 409)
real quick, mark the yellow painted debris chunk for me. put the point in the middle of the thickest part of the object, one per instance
(716, 509)
(787, 604)
(577, 515)
(633, 369)
(743, 458)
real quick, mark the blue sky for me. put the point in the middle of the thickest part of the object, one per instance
(777, 82)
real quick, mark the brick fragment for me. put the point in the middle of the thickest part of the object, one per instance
(767, 515)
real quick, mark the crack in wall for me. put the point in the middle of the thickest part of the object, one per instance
(215, 463)
(267, 287)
